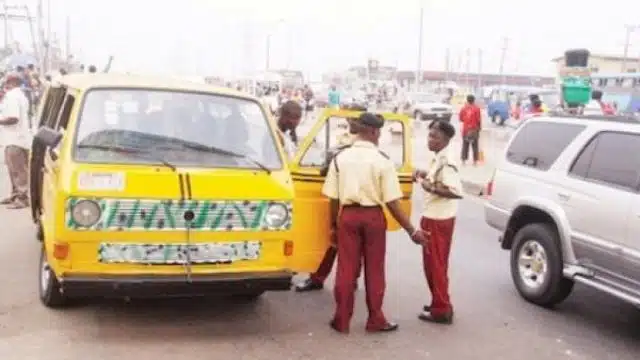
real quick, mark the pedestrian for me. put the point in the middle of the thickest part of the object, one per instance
(16, 139)
(334, 98)
(316, 280)
(443, 188)
(596, 106)
(288, 121)
(360, 181)
(471, 118)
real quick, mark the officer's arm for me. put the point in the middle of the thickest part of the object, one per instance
(450, 186)
(391, 195)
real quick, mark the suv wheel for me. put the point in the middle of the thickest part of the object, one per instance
(536, 266)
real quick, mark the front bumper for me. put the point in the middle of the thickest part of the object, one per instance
(153, 286)
(436, 116)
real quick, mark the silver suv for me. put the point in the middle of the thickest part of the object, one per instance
(566, 197)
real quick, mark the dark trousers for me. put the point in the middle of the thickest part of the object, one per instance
(17, 160)
(362, 234)
(470, 140)
(324, 269)
(435, 260)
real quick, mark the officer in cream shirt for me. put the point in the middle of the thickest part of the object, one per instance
(15, 135)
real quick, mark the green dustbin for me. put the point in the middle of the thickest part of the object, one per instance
(576, 91)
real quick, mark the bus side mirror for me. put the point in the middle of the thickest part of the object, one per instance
(48, 137)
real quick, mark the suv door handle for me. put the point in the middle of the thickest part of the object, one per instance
(564, 196)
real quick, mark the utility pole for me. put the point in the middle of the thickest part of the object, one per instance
(447, 64)
(468, 68)
(420, 41)
(479, 68)
(268, 55)
(67, 41)
(629, 29)
(503, 56)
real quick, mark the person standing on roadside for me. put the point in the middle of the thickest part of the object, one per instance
(471, 118)
(334, 98)
(360, 181)
(16, 138)
(443, 189)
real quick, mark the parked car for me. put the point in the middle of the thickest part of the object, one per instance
(566, 197)
(425, 106)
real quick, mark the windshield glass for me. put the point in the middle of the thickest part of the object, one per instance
(174, 126)
(428, 98)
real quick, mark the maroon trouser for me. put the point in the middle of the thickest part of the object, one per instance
(324, 269)
(435, 260)
(362, 233)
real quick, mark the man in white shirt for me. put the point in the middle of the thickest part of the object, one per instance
(16, 138)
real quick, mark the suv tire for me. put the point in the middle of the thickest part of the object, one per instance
(537, 265)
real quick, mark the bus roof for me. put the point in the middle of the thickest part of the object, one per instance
(130, 81)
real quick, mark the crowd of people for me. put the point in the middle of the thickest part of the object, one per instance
(20, 92)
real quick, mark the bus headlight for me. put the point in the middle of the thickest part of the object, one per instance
(86, 213)
(276, 216)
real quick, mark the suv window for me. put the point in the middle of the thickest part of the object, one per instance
(539, 144)
(611, 158)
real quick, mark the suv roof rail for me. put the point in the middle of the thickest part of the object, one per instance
(624, 119)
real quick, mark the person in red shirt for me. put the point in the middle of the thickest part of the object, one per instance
(471, 119)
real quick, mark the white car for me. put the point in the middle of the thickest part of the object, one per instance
(425, 106)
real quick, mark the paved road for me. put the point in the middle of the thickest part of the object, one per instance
(492, 322)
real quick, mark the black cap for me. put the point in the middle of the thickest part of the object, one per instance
(371, 120)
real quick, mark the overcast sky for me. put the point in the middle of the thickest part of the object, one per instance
(218, 37)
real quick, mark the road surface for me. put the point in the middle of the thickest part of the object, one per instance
(492, 322)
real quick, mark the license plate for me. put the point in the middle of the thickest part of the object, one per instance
(210, 253)
(439, 115)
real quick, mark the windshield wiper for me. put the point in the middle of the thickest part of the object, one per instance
(216, 150)
(128, 150)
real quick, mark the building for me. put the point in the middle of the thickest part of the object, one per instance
(473, 80)
(599, 63)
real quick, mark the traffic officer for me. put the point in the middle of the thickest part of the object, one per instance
(442, 191)
(360, 181)
(315, 281)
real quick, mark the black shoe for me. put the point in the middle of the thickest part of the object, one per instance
(391, 326)
(440, 319)
(309, 285)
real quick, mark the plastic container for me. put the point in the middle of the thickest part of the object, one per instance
(576, 91)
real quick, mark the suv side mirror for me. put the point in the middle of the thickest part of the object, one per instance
(48, 137)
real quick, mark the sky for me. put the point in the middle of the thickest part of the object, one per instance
(230, 37)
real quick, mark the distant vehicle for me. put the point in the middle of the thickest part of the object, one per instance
(425, 106)
(500, 99)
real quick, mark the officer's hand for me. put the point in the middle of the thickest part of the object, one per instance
(420, 238)
(419, 175)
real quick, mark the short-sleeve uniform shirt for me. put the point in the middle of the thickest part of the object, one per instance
(362, 175)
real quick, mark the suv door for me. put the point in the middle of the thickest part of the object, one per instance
(311, 223)
(600, 190)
